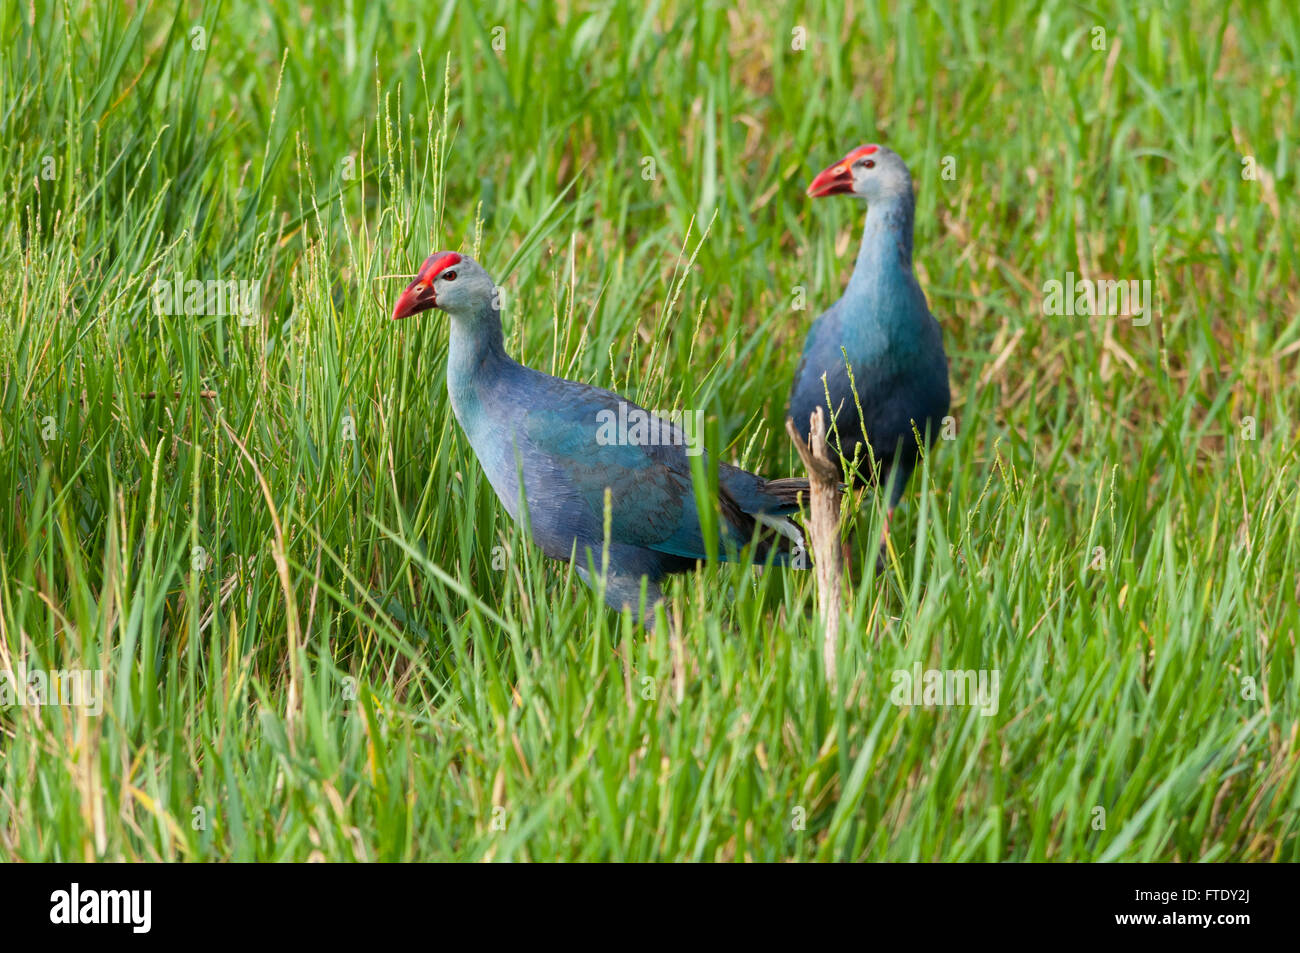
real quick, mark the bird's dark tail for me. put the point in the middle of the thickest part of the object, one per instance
(759, 509)
(787, 493)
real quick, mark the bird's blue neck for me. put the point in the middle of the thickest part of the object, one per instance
(476, 348)
(885, 257)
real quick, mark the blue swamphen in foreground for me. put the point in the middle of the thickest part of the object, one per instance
(555, 434)
(883, 326)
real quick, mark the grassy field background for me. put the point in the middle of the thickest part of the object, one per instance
(319, 633)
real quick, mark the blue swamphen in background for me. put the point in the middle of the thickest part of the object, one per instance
(883, 326)
(522, 422)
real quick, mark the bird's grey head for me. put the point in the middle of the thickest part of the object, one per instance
(871, 172)
(449, 281)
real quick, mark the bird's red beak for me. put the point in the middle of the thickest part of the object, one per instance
(417, 297)
(834, 180)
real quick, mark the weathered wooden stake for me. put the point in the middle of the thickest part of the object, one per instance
(823, 531)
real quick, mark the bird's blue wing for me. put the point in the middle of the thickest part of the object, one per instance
(651, 500)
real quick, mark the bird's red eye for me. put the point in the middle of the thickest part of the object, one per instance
(871, 163)
(449, 276)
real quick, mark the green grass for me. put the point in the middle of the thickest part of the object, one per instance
(312, 647)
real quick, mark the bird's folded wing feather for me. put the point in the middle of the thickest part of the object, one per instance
(650, 488)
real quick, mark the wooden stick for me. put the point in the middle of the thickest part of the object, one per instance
(823, 531)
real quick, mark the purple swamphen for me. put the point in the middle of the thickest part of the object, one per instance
(881, 328)
(554, 433)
